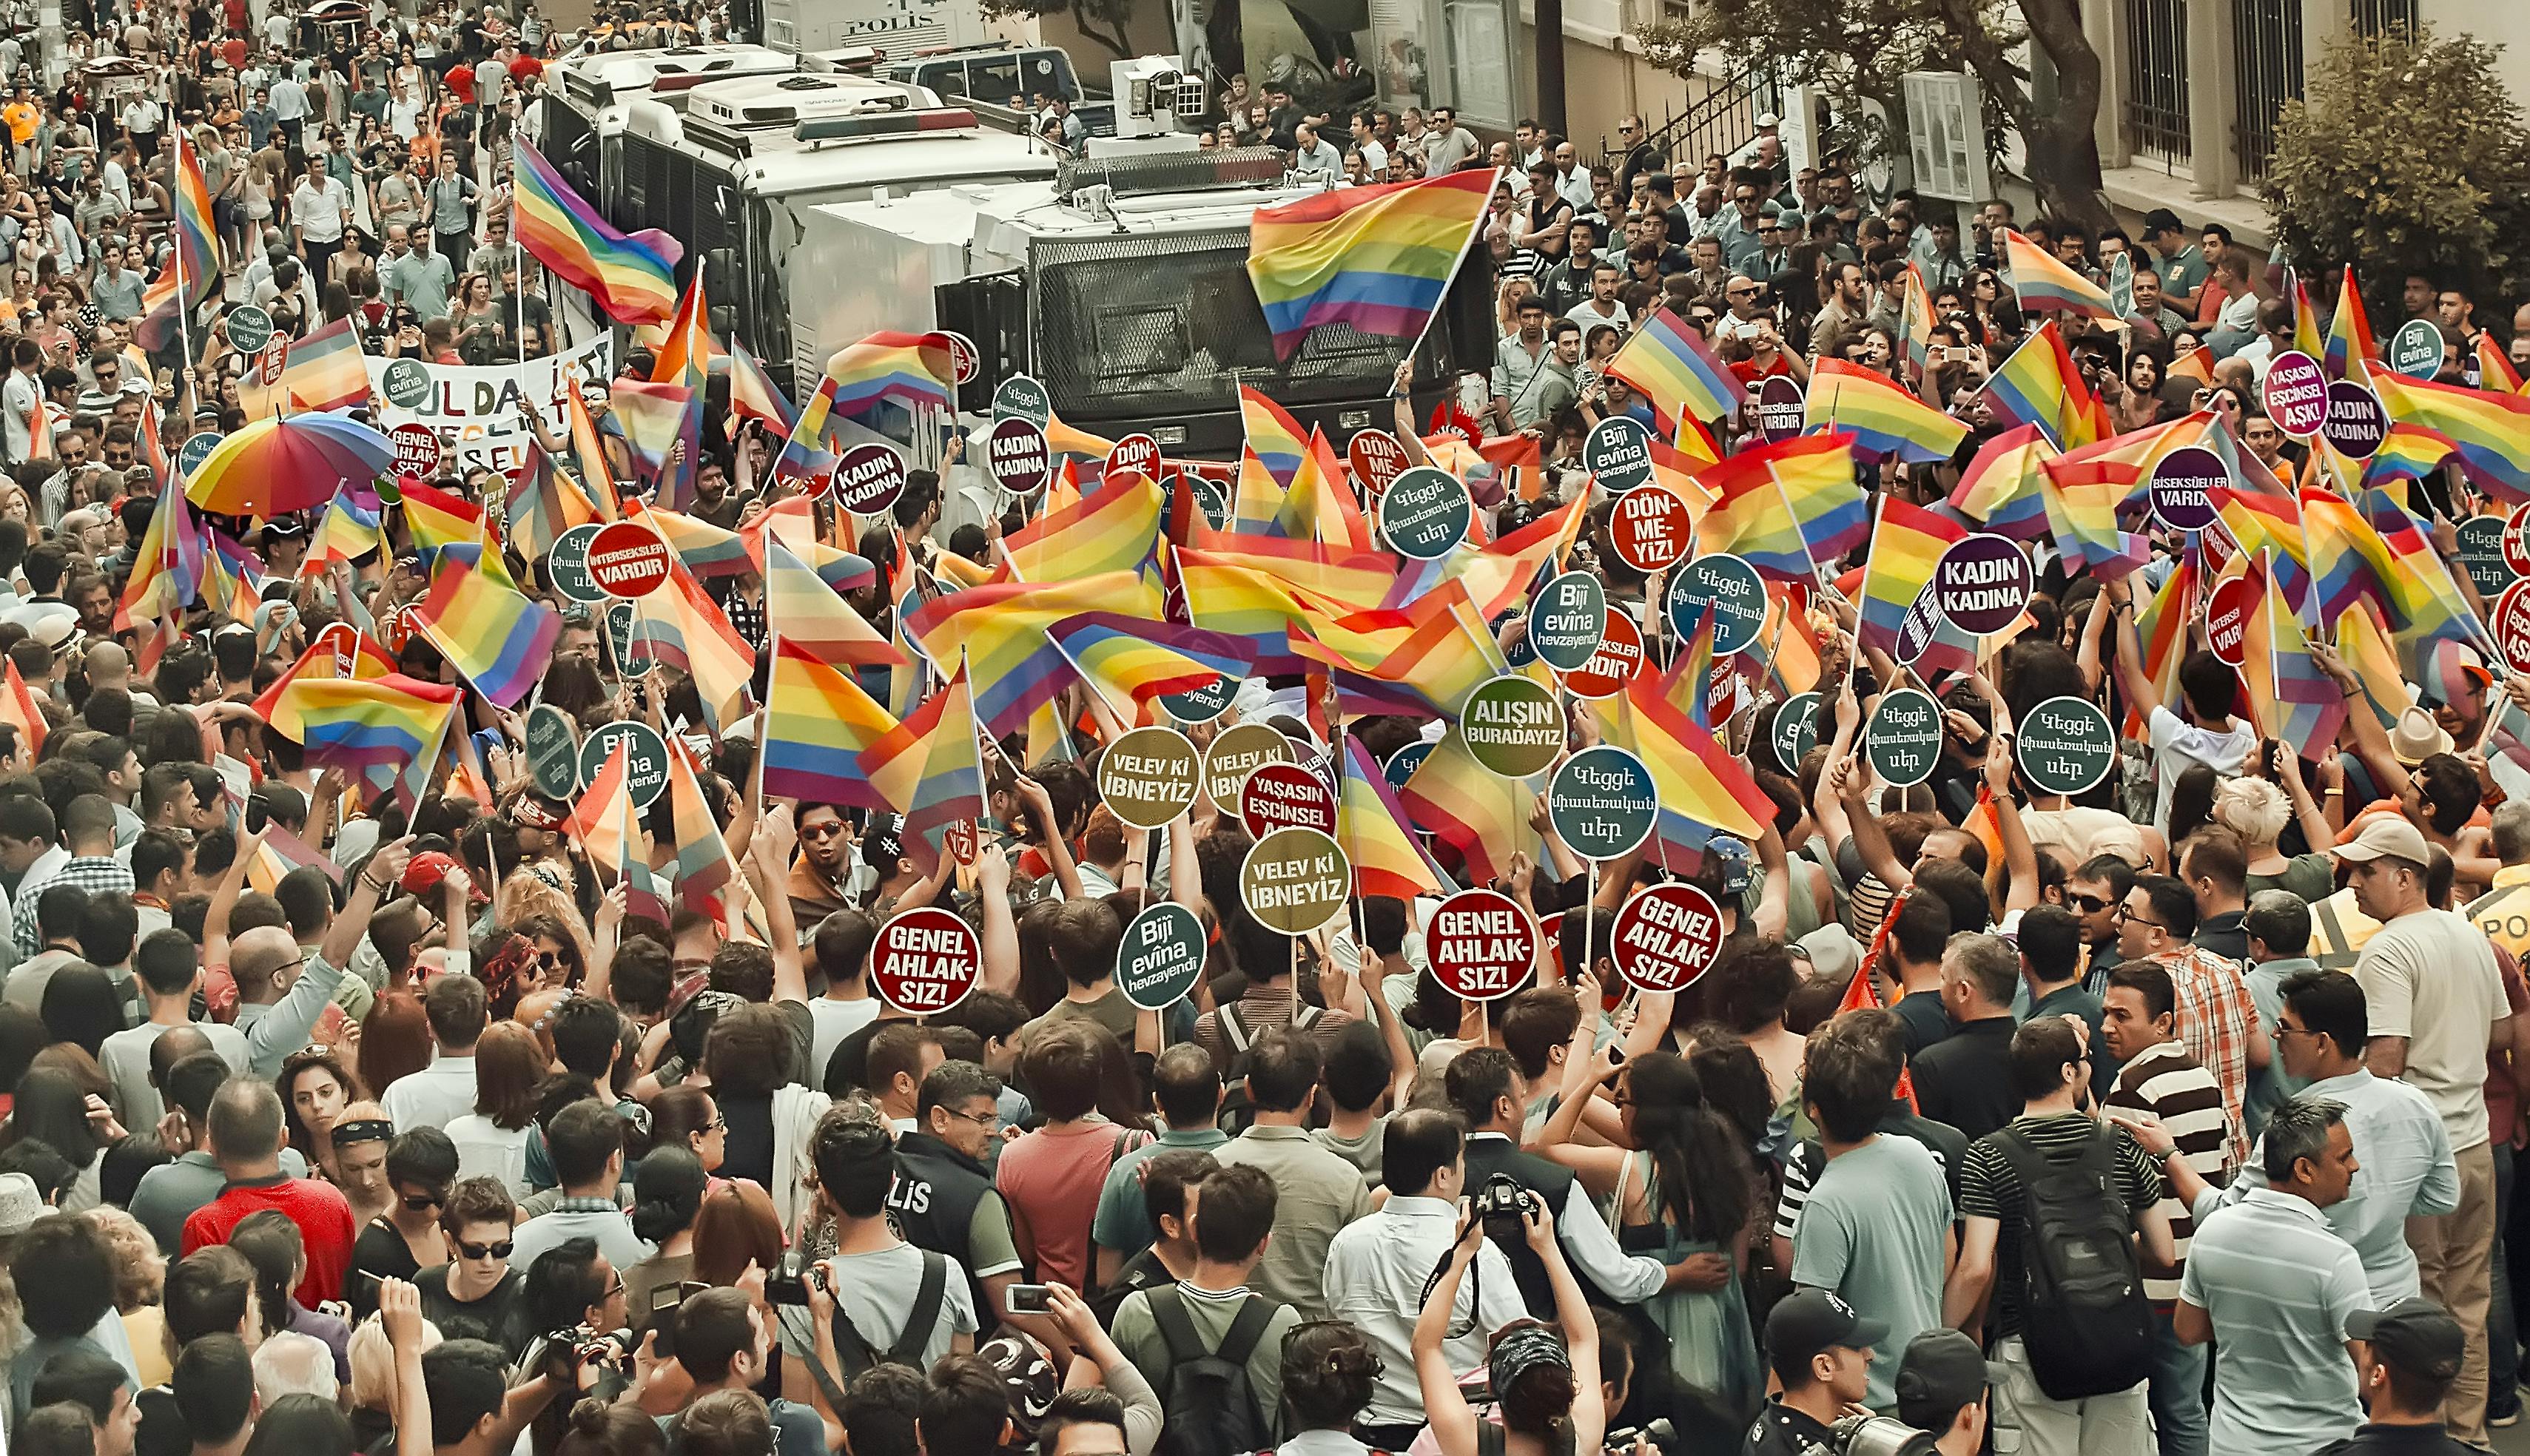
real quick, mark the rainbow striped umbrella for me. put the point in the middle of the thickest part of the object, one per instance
(288, 462)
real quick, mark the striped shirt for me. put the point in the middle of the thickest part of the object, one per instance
(2216, 1014)
(2278, 1286)
(1990, 1188)
(2164, 1080)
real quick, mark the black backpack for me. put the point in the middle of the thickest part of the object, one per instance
(1236, 1112)
(1211, 1409)
(2083, 1316)
(855, 1353)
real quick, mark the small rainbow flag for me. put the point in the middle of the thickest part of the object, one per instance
(817, 722)
(1320, 505)
(930, 770)
(2350, 351)
(588, 455)
(1906, 547)
(347, 531)
(2349, 562)
(1377, 259)
(436, 520)
(543, 504)
(2039, 386)
(685, 629)
(2004, 486)
(1768, 501)
(1883, 419)
(2290, 698)
(1816, 475)
(704, 869)
(655, 419)
(808, 615)
(2363, 640)
(2308, 337)
(602, 821)
(632, 276)
(167, 565)
(2045, 286)
(688, 355)
(2491, 431)
(324, 369)
(1118, 529)
(1475, 811)
(888, 371)
(20, 710)
(1136, 660)
(2408, 452)
(499, 639)
(2426, 602)
(808, 453)
(999, 631)
(1272, 434)
(1371, 826)
(2163, 626)
(1257, 598)
(752, 394)
(367, 660)
(1677, 369)
(1704, 790)
(2260, 521)
(356, 723)
(2197, 364)
(1915, 321)
(706, 549)
(1687, 687)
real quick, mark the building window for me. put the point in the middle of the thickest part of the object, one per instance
(1479, 61)
(2266, 59)
(2156, 119)
(2380, 16)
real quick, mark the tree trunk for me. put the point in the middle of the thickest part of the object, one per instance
(1116, 39)
(2062, 145)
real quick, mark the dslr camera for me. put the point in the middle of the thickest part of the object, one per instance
(789, 1281)
(1874, 1435)
(1501, 1205)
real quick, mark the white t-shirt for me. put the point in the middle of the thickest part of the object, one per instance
(320, 211)
(2177, 744)
(2431, 977)
(829, 1022)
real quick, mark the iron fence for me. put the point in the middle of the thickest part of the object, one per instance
(2266, 62)
(2156, 102)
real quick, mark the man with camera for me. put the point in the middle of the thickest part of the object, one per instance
(1820, 1352)
(724, 1344)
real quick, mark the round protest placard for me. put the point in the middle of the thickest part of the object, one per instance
(1021, 396)
(1666, 937)
(2488, 553)
(1236, 754)
(1566, 620)
(2295, 394)
(1618, 451)
(1295, 880)
(959, 839)
(1150, 775)
(2514, 542)
(1602, 802)
(619, 619)
(416, 450)
(1402, 763)
(645, 758)
(1513, 726)
(343, 640)
(2179, 483)
(1904, 738)
(406, 383)
(2066, 745)
(1160, 955)
(1208, 496)
(868, 478)
(2416, 349)
(2357, 424)
(1481, 944)
(1782, 411)
(1796, 731)
(1734, 591)
(1617, 662)
(962, 363)
(925, 960)
(1016, 456)
(1377, 458)
(248, 328)
(569, 562)
(1982, 583)
(2512, 624)
(1136, 452)
(1649, 529)
(553, 752)
(1920, 628)
(198, 449)
(2226, 618)
(1277, 795)
(1199, 705)
(627, 560)
(1425, 514)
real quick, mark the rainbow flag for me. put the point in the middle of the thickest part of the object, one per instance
(1256, 498)
(1915, 321)
(1256, 597)
(2308, 337)
(2004, 486)
(1320, 506)
(1498, 574)
(2350, 349)
(930, 770)
(1475, 811)
(2491, 431)
(367, 660)
(704, 869)
(2289, 697)
(1001, 632)
(588, 455)
(2046, 285)
(1688, 684)
(2349, 560)
(231, 578)
(688, 355)
(1371, 826)
(817, 722)
(20, 710)
(806, 615)
(2197, 364)
(2162, 627)
(1272, 434)
(2260, 521)
(632, 276)
(1677, 369)
(888, 373)
(324, 370)
(195, 262)
(347, 531)
(2364, 641)
(1815, 473)
(1377, 259)
(1136, 660)
(2408, 452)
(1064, 442)
(602, 821)
(807, 454)
(1883, 419)
(2039, 386)
(2494, 369)
(706, 549)
(1704, 790)
(436, 520)
(166, 566)
(2425, 606)
(752, 395)
(499, 639)
(1768, 501)
(1433, 652)
(1118, 529)
(1906, 547)
(655, 417)
(357, 723)
(543, 505)
(1690, 451)
(685, 629)
(792, 522)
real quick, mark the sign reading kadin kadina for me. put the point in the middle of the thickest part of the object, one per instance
(2512, 624)
(1650, 530)
(1017, 457)
(1666, 937)
(1277, 795)
(868, 478)
(2226, 618)
(1377, 459)
(1481, 944)
(627, 560)
(925, 960)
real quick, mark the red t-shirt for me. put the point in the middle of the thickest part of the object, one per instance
(460, 82)
(1051, 1178)
(322, 1213)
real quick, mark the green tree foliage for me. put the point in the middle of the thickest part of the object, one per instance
(2409, 153)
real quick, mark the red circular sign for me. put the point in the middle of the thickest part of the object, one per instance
(2226, 618)
(2219, 547)
(2512, 624)
(1377, 458)
(627, 560)
(416, 450)
(961, 356)
(1649, 529)
(925, 960)
(344, 640)
(2517, 540)
(397, 627)
(1481, 945)
(1620, 658)
(1134, 453)
(868, 478)
(959, 837)
(1280, 795)
(1666, 937)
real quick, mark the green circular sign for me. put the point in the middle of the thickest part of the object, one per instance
(1161, 957)
(620, 622)
(1022, 397)
(1904, 738)
(1602, 802)
(1796, 731)
(645, 761)
(553, 752)
(1619, 451)
(390, 490)
(2481, 552)
(1200, 705)
(1425, 514)
(1567, 620)
(248, 328)
(2066, 745)
(196, 450)
(1295, 880)
(1150, 775)
(569, 563)
(1733, 589)
(406, 383)
(1513, 726)
(2416, 349)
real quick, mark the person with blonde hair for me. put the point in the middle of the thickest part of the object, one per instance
(139, 1278)
(293, 1363)
(2258, 810)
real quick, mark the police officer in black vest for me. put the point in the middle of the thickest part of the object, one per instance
(944, 1198)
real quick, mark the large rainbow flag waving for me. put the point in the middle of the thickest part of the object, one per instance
(1377, 257)
(632, 276)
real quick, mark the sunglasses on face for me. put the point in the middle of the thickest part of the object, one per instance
(2087, 904)
(417, 1202)
(469, 1251)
